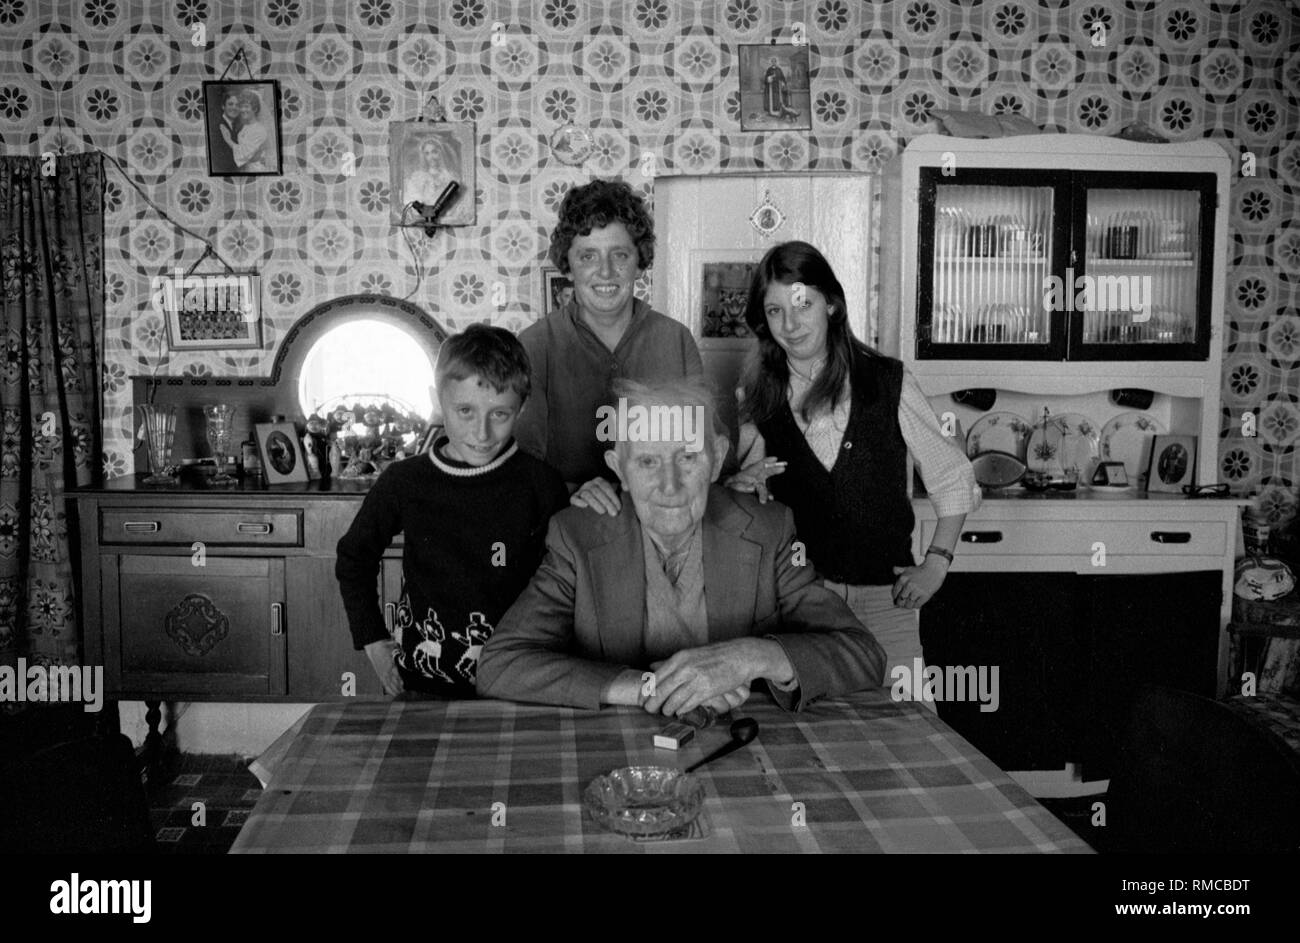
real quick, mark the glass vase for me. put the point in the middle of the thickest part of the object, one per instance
(159, 433)
(221, 428)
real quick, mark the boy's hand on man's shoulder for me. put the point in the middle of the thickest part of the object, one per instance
(597, 495)
(381, 655)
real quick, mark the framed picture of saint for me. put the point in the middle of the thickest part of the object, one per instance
(774, 92)
(424, 157)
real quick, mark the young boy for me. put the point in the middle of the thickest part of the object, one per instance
(473, 512)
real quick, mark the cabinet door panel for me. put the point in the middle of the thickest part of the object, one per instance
(200, 628)
(1143, 251)
(1159, 628)
(1025, 625)
(989, 242)
(320, 645)
(390, 589)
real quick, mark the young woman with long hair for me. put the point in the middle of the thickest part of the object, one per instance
(827, 426)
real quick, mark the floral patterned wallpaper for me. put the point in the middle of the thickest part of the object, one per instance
(646, 77)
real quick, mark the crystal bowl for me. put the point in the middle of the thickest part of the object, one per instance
(644, 800)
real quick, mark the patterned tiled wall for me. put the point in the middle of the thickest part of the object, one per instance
(646, 76)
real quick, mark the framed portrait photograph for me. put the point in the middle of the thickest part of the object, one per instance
(425, 156)
(283, 460)
(557, 290)
(1173, 463)
(774, 90)
(243, 128)
(213, 311)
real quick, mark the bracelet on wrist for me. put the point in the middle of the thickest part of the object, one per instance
(940, 552)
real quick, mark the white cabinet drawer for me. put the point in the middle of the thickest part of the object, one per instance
(1078, 538)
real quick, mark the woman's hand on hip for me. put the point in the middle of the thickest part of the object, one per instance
(753, 477)
(916, 584)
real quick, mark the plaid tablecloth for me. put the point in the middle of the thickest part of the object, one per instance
(859, 774)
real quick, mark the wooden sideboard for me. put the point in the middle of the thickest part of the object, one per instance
(194, 593)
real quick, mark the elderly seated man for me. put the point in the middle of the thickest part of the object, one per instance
(685, 597)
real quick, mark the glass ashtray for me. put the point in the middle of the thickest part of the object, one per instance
(644, 800)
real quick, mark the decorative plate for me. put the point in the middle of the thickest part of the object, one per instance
(998, 432)
(1127, 438)
(571, 144)
(1067, 440)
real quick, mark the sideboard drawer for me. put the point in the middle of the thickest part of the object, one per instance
(1078, 538)
(182, 527)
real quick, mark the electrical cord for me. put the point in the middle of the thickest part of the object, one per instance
(410, 245)
(212, 250)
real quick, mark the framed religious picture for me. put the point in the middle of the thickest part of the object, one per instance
(283, 460)
(424, 157)
(557, 290)
(211, 311)
(243, 126)
(774, 88)
(1173, 463)
(724, 294)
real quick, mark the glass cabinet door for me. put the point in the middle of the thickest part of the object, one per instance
(1138, 286)
(990, 240)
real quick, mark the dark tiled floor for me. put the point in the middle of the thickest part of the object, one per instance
(227, 791)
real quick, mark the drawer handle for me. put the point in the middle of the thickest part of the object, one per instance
(1171, 536)
(981, 537)
(390, 610)
(244, 527)
(140, 527)
(277, 618)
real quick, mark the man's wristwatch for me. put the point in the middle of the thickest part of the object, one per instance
(939, 551)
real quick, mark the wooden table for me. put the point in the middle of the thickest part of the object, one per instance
(858, 774)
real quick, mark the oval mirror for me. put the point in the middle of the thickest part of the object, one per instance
(369, 349)
(370, 361)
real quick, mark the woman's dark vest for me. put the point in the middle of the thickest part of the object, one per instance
(856, 520)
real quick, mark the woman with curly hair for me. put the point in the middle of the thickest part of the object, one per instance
(603, 240)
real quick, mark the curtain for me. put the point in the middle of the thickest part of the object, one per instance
(52, 275)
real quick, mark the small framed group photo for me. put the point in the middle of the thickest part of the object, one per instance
(283, 459)
(774, 88)
(423, 158)
(557, 290)
(243, 126)
(213, 311)
(1173, 463)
